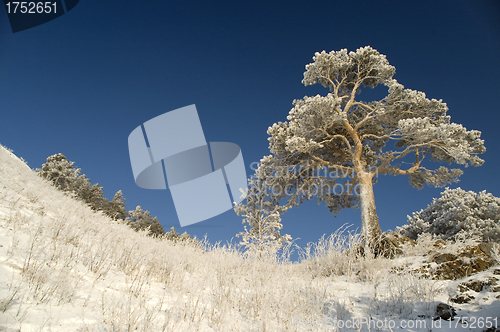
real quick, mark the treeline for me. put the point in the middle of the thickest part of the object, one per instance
(66, 177)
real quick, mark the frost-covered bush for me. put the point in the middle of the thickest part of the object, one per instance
(457, 211)
(140, 220)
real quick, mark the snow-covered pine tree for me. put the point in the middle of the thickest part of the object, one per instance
(183, 238)
(262, 214)
(60, 171)
(116, 208)
(348, 137)
(457, 211)
(172, 235)
(91, 194)
(139, 219)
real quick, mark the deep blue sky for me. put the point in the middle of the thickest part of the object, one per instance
(81, 83)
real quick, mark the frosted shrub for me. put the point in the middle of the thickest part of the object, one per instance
(334, 255)
(399, 295)
(457, 212)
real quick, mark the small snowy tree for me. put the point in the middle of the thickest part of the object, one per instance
(139, 219)
(262, 214)
(457, 211)
(91, 194)
(116, 209)
(348, 138)
(183, 238)
(61, 172)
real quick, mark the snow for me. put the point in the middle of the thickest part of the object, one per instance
(64, 267)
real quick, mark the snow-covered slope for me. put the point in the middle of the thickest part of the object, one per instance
(64, 267)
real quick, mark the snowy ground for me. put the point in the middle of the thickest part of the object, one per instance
(64, 267)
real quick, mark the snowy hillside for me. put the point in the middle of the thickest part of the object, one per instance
(64, 267)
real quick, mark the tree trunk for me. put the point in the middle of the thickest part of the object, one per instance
(370, 228)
